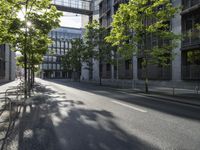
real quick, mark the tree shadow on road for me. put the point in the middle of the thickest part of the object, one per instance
(44, 127)
(132, 97)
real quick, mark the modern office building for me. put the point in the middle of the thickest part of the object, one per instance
(190, 48)
(184, 69)
(52, 65)
(7, 64)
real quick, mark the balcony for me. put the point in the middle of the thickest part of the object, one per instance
(191, 72)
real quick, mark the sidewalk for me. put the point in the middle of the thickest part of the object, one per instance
(177, 95)
(7, 85)
(184, 96)
(180, 95)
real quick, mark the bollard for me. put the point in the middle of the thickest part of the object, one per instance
(173, 90)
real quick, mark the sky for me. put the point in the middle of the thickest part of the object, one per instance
(70, 20)
(67, 20)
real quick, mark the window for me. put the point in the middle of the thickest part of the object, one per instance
(62, 44)
(2, 61)
(54, 66)
(70, 45)
(128, 64)
(58, 66)
(54, 44)
(58, 44)
(108, 67)
(54, 59)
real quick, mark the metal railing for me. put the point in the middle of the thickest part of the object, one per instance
(191, 72)
(10, 111)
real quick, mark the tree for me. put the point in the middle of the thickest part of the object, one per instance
(136, 22)
(8, 20)
(29, 34)
(90, 39)
(96, 46)
(72, 60)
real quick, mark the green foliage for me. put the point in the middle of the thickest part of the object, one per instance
(198, 27)
(96, 46)
(72, 60)
(27, 38)
(8, 20)
(137, 20)
(28, 34)
(134, 25)
(193, 56)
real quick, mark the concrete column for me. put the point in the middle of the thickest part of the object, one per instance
(95, 70)
(7, 63)
(135, 71)
(13, 66)
(112, 72)
(176, 28)
(84, 72)
(112, 8)
(135, 68)
(112, 66)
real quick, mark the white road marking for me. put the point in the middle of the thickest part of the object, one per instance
(126, 105)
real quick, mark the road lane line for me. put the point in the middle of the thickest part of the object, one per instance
(126, 105)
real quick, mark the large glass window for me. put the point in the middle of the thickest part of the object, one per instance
(54, 66)
(54, 43)
(189, 28)
(191, 65)
(58, 44)
(62, 44)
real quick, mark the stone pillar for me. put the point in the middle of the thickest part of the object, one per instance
(135, 71)
(13, 65)
(112, 66)
(95, 70)
(135, 68)
(176, 28)
(7, 63)
(84, 72)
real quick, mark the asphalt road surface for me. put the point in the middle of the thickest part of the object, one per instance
(78, 116)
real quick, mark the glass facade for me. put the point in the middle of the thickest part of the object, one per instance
(61, 43)
(191, 43)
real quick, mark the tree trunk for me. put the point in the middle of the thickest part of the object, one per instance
(146, 86)
(100, 72)
(146, 76)
(25, 71)
(29, 80)
(33, 75)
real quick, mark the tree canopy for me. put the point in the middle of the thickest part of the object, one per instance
(25, 25)
(143, 27)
